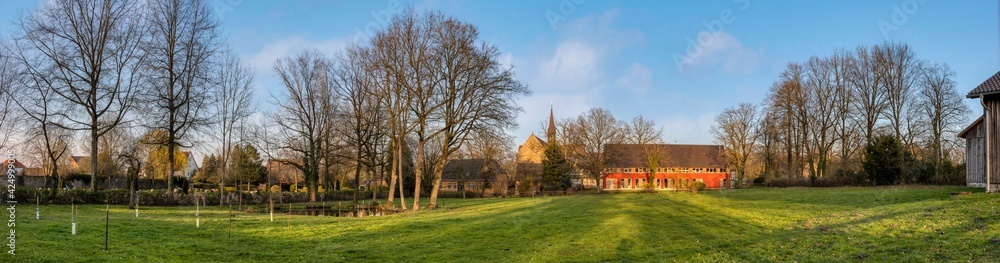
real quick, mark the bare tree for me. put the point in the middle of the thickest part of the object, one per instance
(361, 111)
(900, 70)
(133, 156)
(475, 89)
(37, 101)
(10, 76)
(642, 131)
(184, 38)
(823, 89)
(93, 49)
(409, 35)
(493, 147)
(735, 131)
(233, 101)
(586, 137)
(845, 128)
(866, 79)
(391, 68)
(303, 111)
(942, 107)
(786, 104)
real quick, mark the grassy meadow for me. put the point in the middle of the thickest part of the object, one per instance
(828, 224)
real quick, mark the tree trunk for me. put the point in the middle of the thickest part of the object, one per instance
(55, 180)
(357, 176)
(438, 169)
(393, 174)
(418, 173)
(170, 158)
(93, 156)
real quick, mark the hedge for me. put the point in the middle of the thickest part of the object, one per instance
(160, 197)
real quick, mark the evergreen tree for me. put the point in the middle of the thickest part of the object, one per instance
(246, 165)
(883, 160)
(209, 170)
(555, 169)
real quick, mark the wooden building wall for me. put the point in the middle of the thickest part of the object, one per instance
(975, 156)
(992, 123)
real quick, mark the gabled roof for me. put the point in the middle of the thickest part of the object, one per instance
(17, 164)
(672, 155)
(971, 127)
(534, 138)
(989, 87)
(80, 158)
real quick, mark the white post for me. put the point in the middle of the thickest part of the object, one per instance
(73, 213)
(197, 213)
(38, 211)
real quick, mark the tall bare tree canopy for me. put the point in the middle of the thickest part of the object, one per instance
(476, 90)
(183, 41)
(642, 131)
(585, 138)
(304, 108)
(93, 49)
(736, 130)
(942, 109)
(454, 85)
(9, 77)
(233, 101)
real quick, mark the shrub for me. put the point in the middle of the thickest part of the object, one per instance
(697, 186)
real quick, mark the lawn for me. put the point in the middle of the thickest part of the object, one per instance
(828, 224)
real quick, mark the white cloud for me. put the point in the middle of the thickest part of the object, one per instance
(637, 79)
(574, 65)
(722, 50)
(292, 45)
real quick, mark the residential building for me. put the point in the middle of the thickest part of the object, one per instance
(672, 166)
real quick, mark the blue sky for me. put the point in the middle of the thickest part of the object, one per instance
(632, 57)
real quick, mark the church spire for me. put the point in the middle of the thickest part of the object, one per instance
(550, 135)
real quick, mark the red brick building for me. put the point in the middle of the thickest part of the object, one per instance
(675, 166)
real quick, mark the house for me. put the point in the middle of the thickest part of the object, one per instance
(975, 154)
(188, 170)
(477, 175)
(79, 164)
(18, 167)
(675, 167)
(981, 137)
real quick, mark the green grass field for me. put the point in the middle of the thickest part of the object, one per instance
(829, 224)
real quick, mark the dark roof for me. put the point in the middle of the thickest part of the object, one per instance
(471, 169)
(971, 127)
(673, 155)
(989, 87)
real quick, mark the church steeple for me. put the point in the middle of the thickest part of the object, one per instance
(550, 135)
